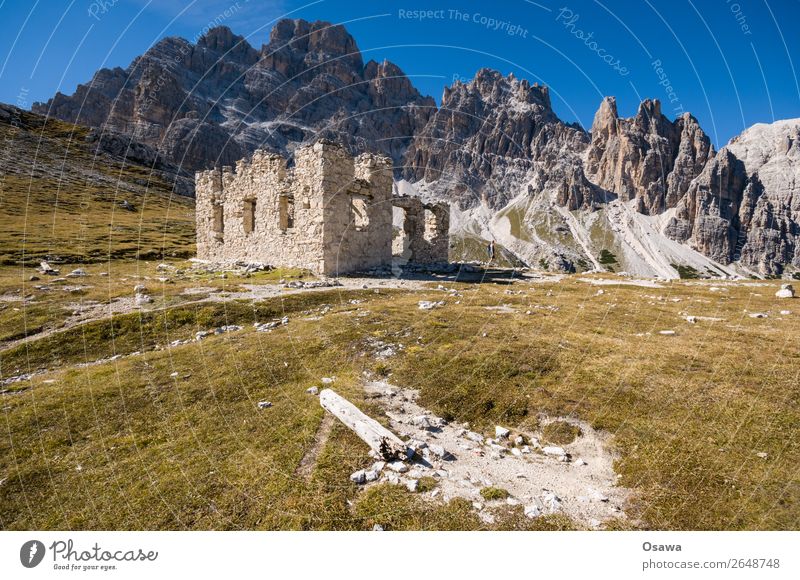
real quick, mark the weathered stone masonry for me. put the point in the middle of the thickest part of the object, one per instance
(330, 213)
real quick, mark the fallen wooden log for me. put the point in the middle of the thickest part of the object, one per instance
(382, 441)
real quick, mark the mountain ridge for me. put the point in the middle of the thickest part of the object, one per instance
(494, 147)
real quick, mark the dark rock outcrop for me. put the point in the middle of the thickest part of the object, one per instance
(647, 157)
(211, 103)
(493, 134)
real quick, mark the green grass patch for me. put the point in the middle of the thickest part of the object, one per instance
(607, 258)
(141, 331)
(560, 432)
(130, 445)
(494, 493)
(686, 272)
(426, 483)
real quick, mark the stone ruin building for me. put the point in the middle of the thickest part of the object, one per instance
(328, 213)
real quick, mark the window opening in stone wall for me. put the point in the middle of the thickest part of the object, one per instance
(249, 217)
(401, 234)
(431, 226)
(358, 212)
(286, 212)
(219, 219)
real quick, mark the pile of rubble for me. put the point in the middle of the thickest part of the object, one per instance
(445, 460)
(306, 285)
(269, 326)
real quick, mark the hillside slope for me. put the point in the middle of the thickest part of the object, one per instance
(68, 193)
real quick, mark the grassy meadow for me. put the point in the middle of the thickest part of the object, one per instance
(109, 423)
(704, 421)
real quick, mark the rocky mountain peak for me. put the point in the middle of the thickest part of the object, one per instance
(605, 119)
(490, 87)
(212, 103)
(761, 143)
(493, 135)
(647, 157)
(297, 46)
(220, 38)
(649, 111)
(494, 141)
(387, 83)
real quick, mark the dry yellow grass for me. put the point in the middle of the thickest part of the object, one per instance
(126, 445)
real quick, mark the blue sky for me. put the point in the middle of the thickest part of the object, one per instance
(730, 63)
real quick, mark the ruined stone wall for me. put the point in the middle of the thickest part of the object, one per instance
(208, 193)
(358, 211)
(330, 213)
(286, 221)
(425, 231)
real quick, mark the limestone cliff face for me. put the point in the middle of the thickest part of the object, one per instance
(491, 135)
(211, 103)
(646, 158)
(745, 206)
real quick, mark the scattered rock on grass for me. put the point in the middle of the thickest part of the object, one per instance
(398, 466)
(438, 451)
(551, 501)
(554, 451)
(786, 291)
(269, 326)
(532, 511)
(46, 268)
(142, 299)
(501, 432)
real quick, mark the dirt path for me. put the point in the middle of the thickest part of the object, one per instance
(126, 305)
(309, 460)
(582, 484)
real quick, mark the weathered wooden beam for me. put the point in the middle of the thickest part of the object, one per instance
(379, 438)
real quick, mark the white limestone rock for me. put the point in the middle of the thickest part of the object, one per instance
(786, 291)
(501, 432)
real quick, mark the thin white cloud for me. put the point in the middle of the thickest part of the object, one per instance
(241, 16)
